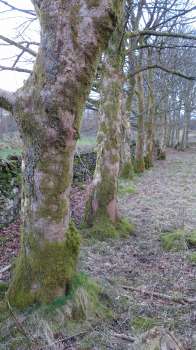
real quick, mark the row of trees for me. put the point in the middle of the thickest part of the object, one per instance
(139, 59)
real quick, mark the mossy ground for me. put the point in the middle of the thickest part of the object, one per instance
(103, 228)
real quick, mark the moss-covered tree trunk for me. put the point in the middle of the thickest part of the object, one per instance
(150, 123)
(48, 111)
(103, 198)
(102, 211)
(126, 166)
(139, 165)
(161, 136)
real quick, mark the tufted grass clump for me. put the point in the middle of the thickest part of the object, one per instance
(143, 323)
(173, 241)
(125, 187)
(191, 239)
(192, 258)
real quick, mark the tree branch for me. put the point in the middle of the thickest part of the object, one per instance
(167, 70)
(156, 33)
(16, 69)
(28, 12)
(7, 100)
(19, 46)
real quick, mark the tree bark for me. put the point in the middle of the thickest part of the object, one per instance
(150, 125)
(139, 165)
(48, 112)
(126, 165)
(103, 198)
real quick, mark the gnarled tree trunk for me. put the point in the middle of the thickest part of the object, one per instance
(48, 112)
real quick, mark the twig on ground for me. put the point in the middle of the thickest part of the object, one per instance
(125, 337)
(6, 268)
(176, 299)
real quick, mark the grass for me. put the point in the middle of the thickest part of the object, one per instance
(143, 323)
(173, 241)
(87, 141)
(192, 258)
(125, 187)
(9, 151)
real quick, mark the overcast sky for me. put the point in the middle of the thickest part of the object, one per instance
(12, 25)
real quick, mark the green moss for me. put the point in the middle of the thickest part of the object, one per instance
(127, 171)
(174, 241)
(46, 271)
(139, 165)
(3, 289)
(143, 323)
(148, 161)
(125, 187)
(92, 3)
(161, 155)
(191, 239)
(192, 258)
(53, 184)
(103, 228)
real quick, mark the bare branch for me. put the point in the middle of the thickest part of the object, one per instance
(156, 33)
(18, 45)
(7, 100)
(167, 70)
(29, 12)
(16, 69)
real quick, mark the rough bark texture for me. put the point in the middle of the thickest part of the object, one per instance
(101, 211)
(103, 199)
(126, 166)
(150, 125)
(48, 111)
(139, 165)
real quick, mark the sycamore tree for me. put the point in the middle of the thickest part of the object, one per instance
(48, 111)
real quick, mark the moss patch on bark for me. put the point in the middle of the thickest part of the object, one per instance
(139, 165)
(46, 272)
(127, 171)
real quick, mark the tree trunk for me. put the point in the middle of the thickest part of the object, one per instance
(48, 112)
(103, 199)
(101, 211)
(150, 126)
(162, 131)
(126, 166)
(139, 165)
(186, 121)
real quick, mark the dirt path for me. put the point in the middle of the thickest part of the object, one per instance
(165, 199)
